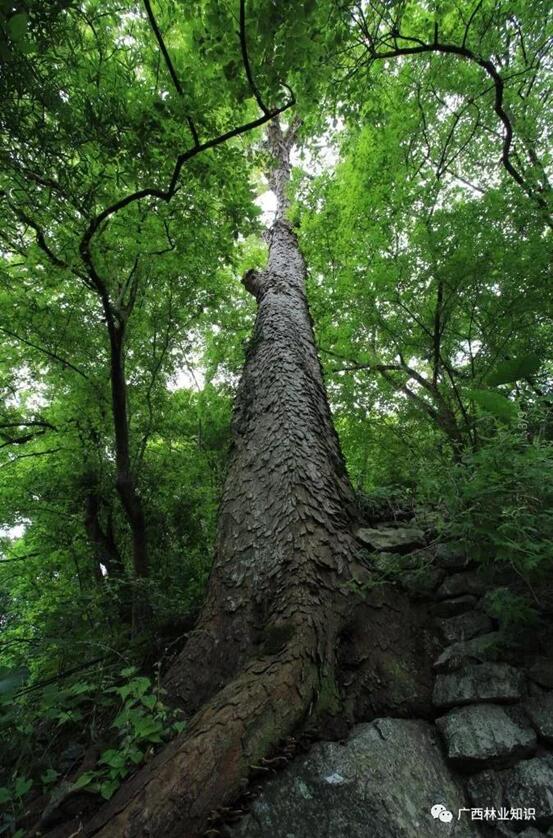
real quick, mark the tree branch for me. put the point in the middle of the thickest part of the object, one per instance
(167, 194)
(39, 234)
(53, 355)
(246, 60)
(170, 65)
(499, 87)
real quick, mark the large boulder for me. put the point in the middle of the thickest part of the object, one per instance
(451, 556)
(383, 782)
(530, 785)
(486, 647)
(485, 789)
(465, 626)
(423, 581)
(478, 682)
(526, 788)
(483, 735)
(459, 584)
(392, 539)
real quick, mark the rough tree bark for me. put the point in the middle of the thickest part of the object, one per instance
(285, 524)
(263, 658)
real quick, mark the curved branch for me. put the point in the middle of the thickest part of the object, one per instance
(167, 194)
(22, 216)
(20, 559)
(170, 65)
(499, 108)
(198, 148)
(53, 355)
(246, 60)
(19, 440)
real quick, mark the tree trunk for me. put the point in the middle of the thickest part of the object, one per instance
(284, 536)
(125, 481)
(103, 541)
(263, 657)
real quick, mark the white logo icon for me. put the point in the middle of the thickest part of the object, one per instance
(439, 812)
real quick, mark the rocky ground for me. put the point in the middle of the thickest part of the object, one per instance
(479, 763)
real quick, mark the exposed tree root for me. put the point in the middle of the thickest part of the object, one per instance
(207, 767)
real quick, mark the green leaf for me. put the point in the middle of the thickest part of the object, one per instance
(507, 372)
(49, 776)
(148, 729)
(5, 795)
(22, 786)
(17, 26)
(124, 692)
(115, 759)
(108, 787)
(178, 727)
(84, 779)
(129, 671)
(495, 404)
(140, 686)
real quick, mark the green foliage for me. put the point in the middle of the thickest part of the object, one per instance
(507, 372)
(429, 286)
(142, 722)
(495, 403)
(500, 502)
(125, 706)
(511, 609)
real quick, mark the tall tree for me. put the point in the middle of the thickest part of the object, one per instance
(278, 598)
(112, 253)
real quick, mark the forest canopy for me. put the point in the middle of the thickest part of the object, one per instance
(135, 196)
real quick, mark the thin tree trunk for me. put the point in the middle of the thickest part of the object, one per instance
(106, 552)
(125, 481)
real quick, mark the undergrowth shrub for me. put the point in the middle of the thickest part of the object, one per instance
(499, 504)
(45, 733)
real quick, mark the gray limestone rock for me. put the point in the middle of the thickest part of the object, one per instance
(382, 782)
(459, 584)
(482, 648)
(422, 582)
(527, 786)
(479, 682)
(530, 785)
(540, 713)
(465, 626)
(451, 556)
(401, 539)
(483, 735)
(485, 789)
